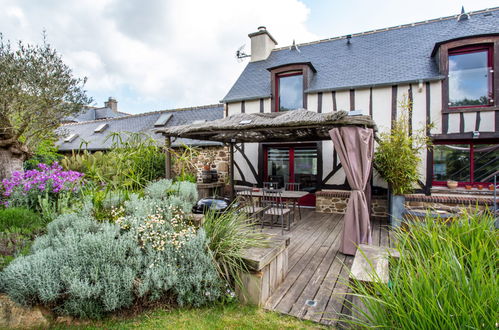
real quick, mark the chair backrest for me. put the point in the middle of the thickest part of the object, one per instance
(273, 198)
(292, 186)
(244, 195)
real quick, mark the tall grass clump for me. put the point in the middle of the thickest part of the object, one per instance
(446, 278)
(230, 234)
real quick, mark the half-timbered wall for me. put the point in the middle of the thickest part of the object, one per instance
(383, 104)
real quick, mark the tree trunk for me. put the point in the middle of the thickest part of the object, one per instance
(9, 163)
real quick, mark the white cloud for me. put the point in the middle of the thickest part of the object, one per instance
(162, 53)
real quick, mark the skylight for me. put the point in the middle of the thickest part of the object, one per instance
(200, 121)
(163, 119)
(71, 137)
(101, 128)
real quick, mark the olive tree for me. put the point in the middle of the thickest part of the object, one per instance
(37, 90)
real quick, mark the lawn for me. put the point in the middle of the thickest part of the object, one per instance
(231, 316)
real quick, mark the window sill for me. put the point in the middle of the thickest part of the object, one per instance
(471, 109)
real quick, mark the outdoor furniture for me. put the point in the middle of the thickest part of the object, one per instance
(272, 199)
(292, 186)
(248, 206)
(286, 194)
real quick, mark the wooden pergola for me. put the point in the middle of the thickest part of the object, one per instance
(297, 125)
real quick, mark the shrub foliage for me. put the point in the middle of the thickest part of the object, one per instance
(86, 268)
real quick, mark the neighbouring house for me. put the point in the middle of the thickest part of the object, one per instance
(96, 134)
(443, 67)
(110, 110)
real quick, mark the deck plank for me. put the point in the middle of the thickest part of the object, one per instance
(310, 274)
(301, 259)
(317, 270)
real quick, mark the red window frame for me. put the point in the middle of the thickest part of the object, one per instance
(490, 64)
(277, 79)
(472, 160)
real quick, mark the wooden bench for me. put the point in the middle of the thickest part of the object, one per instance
(369, 259)
(268, 267)
(371, 264)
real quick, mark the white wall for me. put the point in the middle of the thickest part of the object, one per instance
(343, 100)
(362, 100)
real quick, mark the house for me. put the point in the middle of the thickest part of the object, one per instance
(110, 110)
(97, 135)
(444, 68)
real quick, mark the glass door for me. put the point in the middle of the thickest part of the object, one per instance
(293, 164)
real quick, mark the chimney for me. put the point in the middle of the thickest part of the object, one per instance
(262, 44)
(111, 104)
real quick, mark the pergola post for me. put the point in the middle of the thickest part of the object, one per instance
(168, 158)
(231, 151)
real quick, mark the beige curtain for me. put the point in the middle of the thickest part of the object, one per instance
(355, 147)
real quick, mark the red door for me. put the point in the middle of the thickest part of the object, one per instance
(293, 164)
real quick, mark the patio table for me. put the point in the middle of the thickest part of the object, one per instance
(292, 196)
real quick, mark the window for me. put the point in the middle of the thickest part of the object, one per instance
(289, 91)
(470, 77)
(472, 162)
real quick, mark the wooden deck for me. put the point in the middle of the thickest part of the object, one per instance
(316, 270)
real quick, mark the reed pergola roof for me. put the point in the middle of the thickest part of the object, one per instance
(297, 125)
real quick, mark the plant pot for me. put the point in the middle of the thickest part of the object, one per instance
(491, 187)
(452, 184)
(468, 187)
(206, 176)
(397, 209)
(480, 187)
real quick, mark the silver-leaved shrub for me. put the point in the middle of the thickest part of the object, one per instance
(87, 268)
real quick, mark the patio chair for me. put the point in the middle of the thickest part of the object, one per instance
(294, 187)
(244, 196)
(275, 208)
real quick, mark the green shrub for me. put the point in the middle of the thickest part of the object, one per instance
(18, 228)
(135, 159)
(19, 219)
(86, 268)
(445, 278)
(398, 154)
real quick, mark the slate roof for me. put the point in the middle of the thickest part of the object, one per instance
(95, 114)
(379, 57)
(135, 123)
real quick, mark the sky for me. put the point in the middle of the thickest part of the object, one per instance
(162, 54)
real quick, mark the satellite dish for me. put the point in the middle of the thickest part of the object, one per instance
(241, 54)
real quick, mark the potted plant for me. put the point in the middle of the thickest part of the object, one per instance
(397, 158)
(451, 184)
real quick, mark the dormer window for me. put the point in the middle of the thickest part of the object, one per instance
(470, 77)
(289, 83)
(289, 91)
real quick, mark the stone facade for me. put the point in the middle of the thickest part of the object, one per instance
(335, 201)
(217, 158)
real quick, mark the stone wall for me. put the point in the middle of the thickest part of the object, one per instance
(335, 201)
(448, 203)
(216, 157)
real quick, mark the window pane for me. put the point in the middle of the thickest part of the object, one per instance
(290, 92)
(306, 168)
(486, 162)
(469, 79)
(451, 162)
(278, 165)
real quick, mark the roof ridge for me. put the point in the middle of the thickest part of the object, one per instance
(391, 28)
(144, 114)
